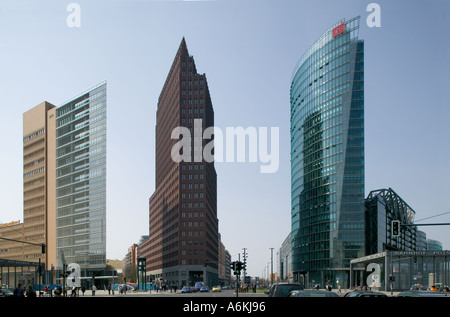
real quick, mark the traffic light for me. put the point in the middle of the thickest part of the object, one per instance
(238, 268)
(43, 248)
(395, 228)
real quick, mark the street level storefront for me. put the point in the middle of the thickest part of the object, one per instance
(13, 272)
(401, 270)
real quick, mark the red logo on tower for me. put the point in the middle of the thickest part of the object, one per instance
(339, 29)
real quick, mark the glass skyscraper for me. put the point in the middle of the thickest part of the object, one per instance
(81, 180)
(327, 157)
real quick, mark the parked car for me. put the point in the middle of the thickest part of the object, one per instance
(283, 289)
(186, 289)
(312, 293)
(364, 294)
(416, 287)
(204, 289)
(4, 292)
(216, 288)
(198, 286)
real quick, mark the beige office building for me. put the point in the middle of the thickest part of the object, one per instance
(39, 183)
(38, 226)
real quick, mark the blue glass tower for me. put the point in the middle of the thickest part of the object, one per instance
(327, 157)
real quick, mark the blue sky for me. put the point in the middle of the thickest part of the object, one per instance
(248, 50)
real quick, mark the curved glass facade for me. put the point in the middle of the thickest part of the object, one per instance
(327, 156)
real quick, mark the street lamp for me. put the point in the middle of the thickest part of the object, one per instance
(271, 266)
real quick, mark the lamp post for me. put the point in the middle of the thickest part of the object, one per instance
(271, 266)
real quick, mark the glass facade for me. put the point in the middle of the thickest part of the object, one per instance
(327, 156)
(81, 180)
(410, 269)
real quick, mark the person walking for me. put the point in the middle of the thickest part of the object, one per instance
(30, 291)
(74, 291)
(93, 289)
(18, 291)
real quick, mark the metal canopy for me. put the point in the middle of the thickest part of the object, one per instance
(395, 204)
(15, 263)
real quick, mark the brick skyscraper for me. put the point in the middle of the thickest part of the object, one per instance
(182, 247)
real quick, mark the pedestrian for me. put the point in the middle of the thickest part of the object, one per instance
(18, 291)
(30, 291)
(83, 289)
(339, 288)
(109, 289)
(93, 289)
(74, 291)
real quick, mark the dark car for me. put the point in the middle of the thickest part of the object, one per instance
(186, 289)
(284, 289)
(364, 294)
(4, 292)
(312, 293)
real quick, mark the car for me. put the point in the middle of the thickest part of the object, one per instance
(186, 289)
(283, 289)
(312, 293)
(364, 294)
(433, 288)
(417, 287)
(198, 286)
(217, 288)
(204, 289)
(4, 292)
(421, 293)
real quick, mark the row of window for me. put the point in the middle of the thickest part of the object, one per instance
(192, 176)
(193, 102)
(192, 82)
(191, 92)
(192, 205)
(192, 167)
(193, 186)
(35, 172)
(192, 224)
(190, 196)
(33, 135)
